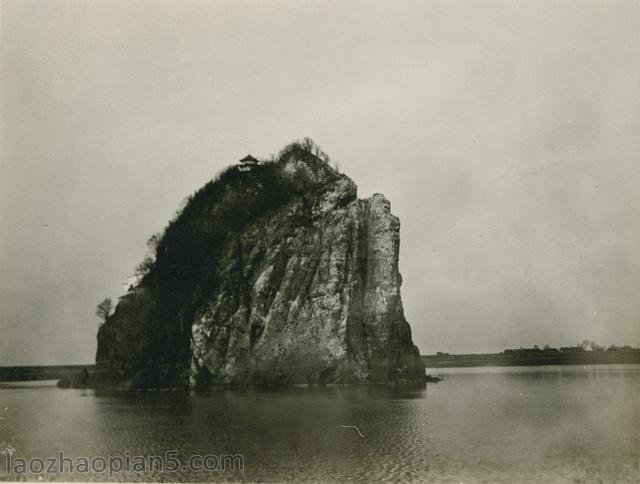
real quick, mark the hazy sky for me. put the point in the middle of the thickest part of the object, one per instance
(505, 135)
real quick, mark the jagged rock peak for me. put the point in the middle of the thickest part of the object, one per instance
(272, 276)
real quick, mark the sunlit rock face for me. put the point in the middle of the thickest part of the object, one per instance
(308, 292)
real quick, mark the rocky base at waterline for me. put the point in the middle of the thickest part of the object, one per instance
(84, 381)
(272, 276)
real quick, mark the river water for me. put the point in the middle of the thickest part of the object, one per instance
(509, 424)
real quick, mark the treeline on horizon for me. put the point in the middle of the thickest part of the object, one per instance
(587, 352)
(15, 373)
(584, 347)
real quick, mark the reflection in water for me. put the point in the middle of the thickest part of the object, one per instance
(534, 423)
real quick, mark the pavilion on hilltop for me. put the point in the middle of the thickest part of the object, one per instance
(247, 163)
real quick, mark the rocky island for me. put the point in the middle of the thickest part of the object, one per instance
(274, 273)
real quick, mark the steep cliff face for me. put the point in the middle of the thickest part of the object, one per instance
(305, 291)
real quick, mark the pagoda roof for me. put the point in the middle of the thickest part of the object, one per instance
(249, 159)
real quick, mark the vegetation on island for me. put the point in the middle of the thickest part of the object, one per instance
(104, 309)
(178, 275)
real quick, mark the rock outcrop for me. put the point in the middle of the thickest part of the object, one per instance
(306, 290)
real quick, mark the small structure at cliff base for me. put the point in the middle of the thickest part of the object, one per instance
(296, 282)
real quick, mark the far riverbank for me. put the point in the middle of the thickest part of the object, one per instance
(42, 372)
(527, 357)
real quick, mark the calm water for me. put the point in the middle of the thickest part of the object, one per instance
(519, 424)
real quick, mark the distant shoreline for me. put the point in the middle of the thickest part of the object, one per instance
(506, 359)
(41, 372)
